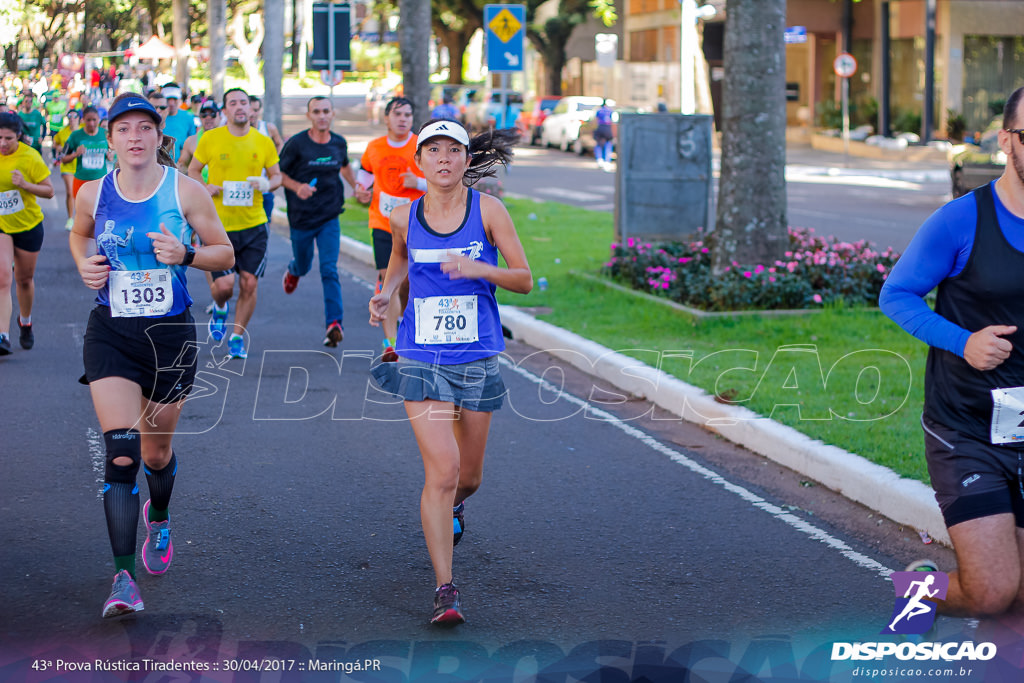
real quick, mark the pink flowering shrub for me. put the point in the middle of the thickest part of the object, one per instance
(816, 272)
(492, 186)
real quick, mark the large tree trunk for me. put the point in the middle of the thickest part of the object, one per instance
(11, 57)
(298, 14)
(153, 8)
(218, 13)
(414, 43)
(273, 62)
(456, 42)
(554, 62)
(52, 32)
(551, 46)
(180, 33)
(249, 50)
(751, 221)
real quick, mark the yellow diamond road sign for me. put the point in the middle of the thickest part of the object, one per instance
(505, 25)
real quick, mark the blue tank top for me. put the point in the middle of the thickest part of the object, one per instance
(121, 227)
(427, 250)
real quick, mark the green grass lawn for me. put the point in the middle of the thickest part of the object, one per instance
(848, 377)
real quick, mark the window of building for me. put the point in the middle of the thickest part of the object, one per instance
(993, 68)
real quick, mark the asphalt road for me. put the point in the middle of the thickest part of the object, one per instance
(605, 538)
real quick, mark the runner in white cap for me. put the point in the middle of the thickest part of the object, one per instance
(448, 243)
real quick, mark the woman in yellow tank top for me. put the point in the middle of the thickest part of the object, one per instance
(67, 171)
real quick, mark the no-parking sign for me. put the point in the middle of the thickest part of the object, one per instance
(845, 65)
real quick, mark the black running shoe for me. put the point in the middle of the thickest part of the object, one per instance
(447, 608)
(26, 338)
(458, 522)
(5, 345)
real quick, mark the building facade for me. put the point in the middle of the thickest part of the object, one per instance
(979, 57)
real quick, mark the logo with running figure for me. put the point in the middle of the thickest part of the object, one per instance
(914, 611)
(473, 251)
(108, 242)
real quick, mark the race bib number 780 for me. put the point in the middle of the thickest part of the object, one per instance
(447, 320)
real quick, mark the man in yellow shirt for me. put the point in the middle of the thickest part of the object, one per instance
(23, 177)
(236, 155)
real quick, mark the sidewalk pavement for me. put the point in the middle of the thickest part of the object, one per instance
(907, 502)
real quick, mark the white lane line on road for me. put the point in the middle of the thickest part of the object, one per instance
(800, 525)
(98, 456)
(573, 195)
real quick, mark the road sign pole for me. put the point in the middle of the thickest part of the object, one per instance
(846, 121)
(330, 52)
(845, 66)
(504, 100)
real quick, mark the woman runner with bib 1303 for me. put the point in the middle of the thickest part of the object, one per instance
(131, 241)
(448, 244)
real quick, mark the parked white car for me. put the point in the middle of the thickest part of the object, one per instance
(561, 128)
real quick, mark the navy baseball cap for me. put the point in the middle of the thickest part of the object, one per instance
(131, 104)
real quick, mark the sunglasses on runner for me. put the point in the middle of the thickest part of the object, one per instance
(208, 113)
(1018, 131)
(162, 108)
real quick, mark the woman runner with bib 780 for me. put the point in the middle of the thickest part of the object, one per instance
(448, 242)
(131, 241)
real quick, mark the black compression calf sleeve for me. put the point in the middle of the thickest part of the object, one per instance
(161, 483)
(120, 492)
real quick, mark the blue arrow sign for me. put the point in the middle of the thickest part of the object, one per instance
(506, 29)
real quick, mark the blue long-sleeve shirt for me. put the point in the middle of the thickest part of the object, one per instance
(940, 250)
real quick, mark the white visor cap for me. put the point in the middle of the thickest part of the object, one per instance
(443, 129)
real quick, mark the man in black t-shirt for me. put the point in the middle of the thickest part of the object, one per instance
(313, 163)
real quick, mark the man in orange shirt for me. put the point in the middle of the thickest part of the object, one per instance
(388, 178)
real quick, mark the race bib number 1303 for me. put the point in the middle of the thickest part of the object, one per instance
(137, 293)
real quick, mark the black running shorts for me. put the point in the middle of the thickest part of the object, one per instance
(30, 240)
(973, 478)
(250, 247)
(382, 243)
(158, 354)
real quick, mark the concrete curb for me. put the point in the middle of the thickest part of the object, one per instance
(905, 501)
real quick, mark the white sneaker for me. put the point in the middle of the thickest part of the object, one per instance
(70, 222)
